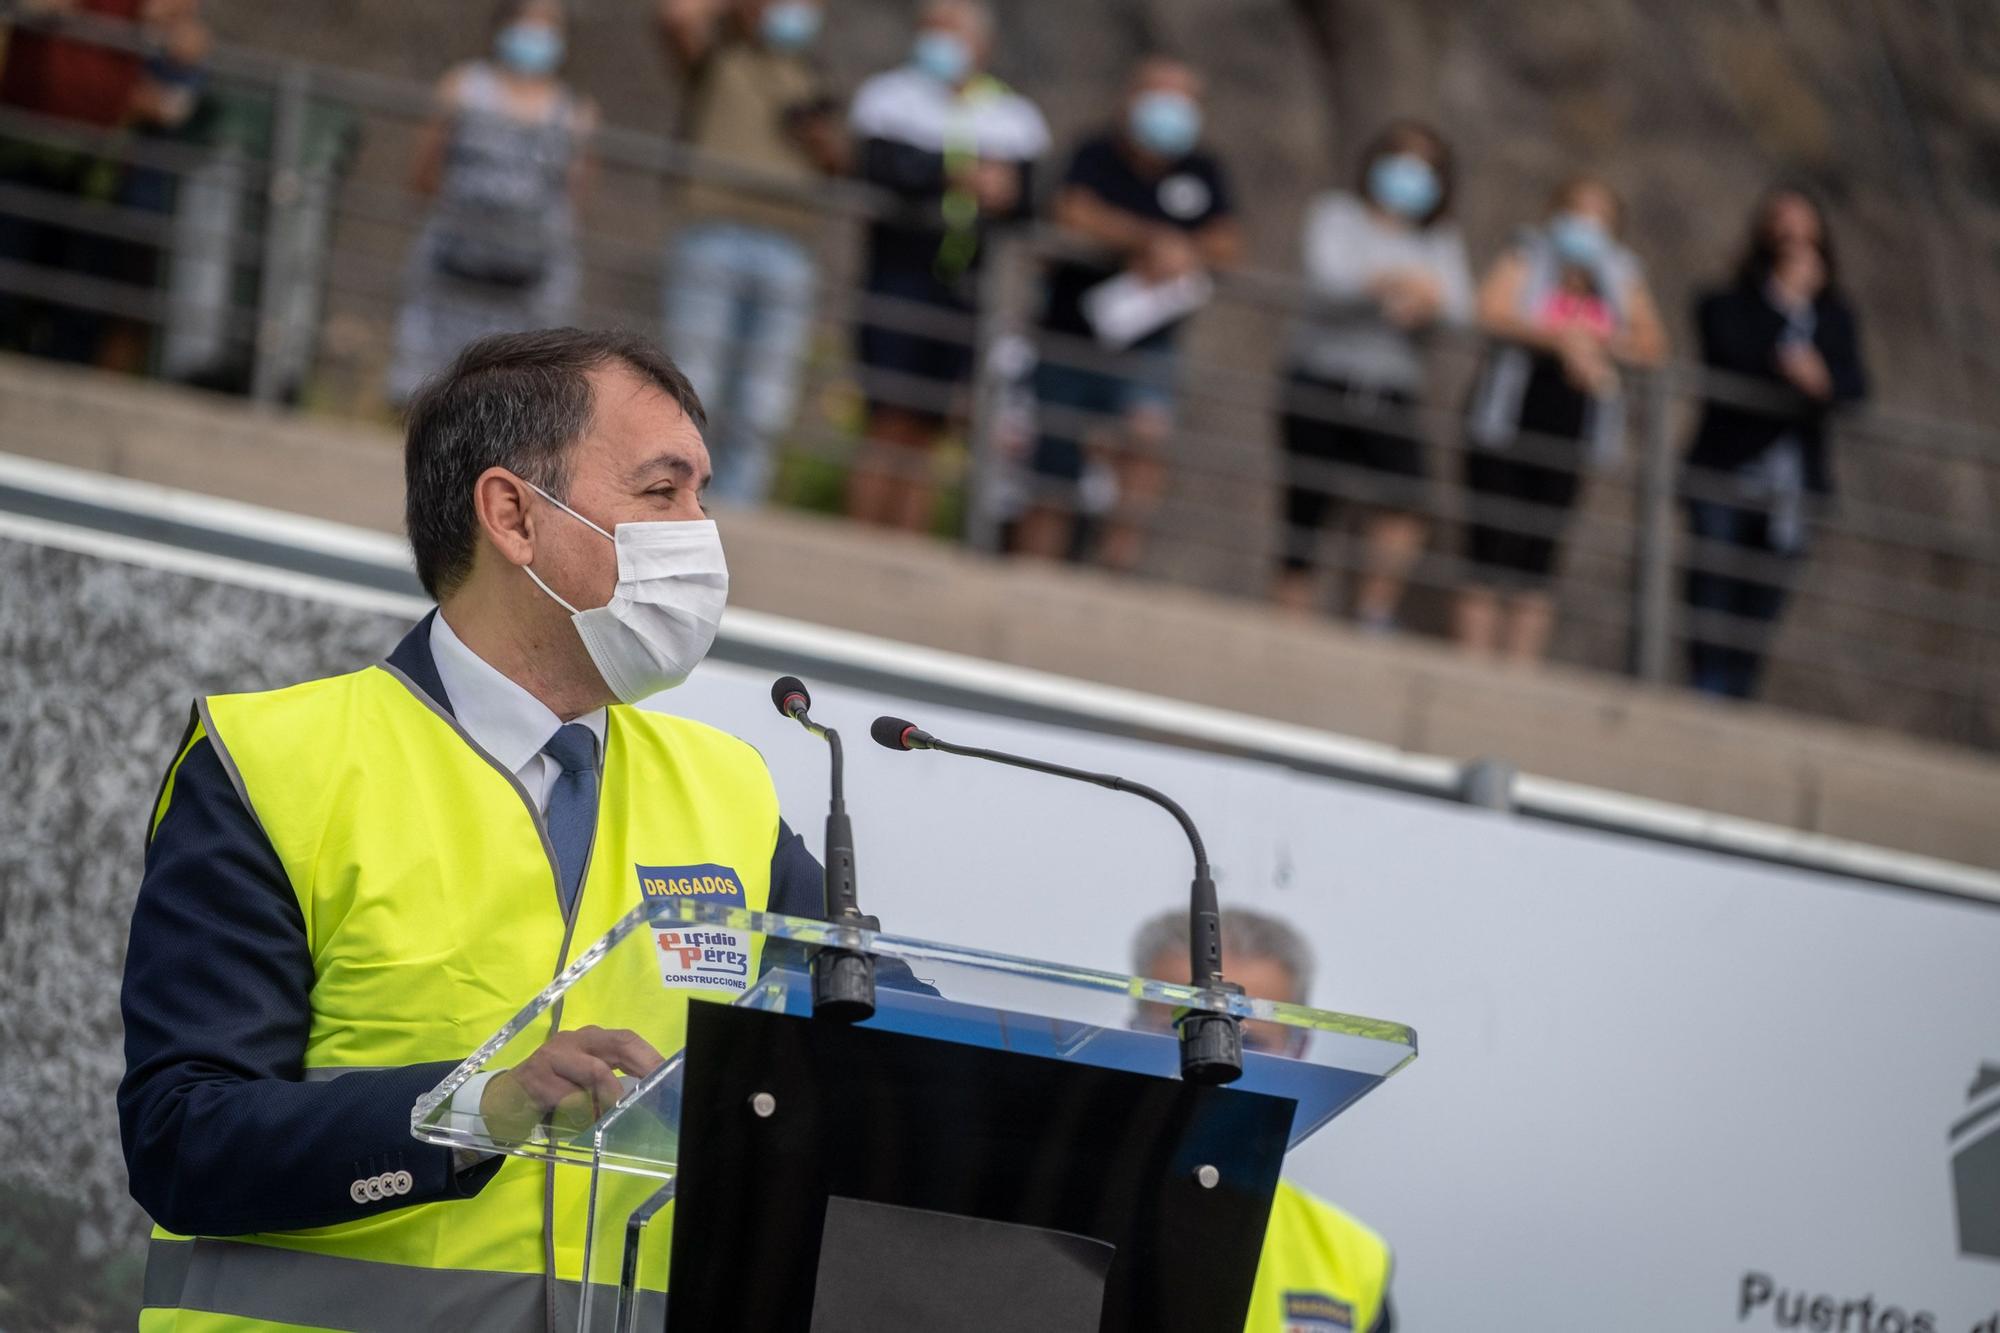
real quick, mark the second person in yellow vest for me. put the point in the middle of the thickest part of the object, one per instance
(1322, 1271)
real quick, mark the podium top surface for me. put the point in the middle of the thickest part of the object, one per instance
(668, 951)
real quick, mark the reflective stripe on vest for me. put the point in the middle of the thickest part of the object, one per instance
(431, 910)
(272, 1286)
(1320, 1270)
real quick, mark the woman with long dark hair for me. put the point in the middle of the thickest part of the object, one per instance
(1783, 339)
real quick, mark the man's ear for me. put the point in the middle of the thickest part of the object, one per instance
(501, 502)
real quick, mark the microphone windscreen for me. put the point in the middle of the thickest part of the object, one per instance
(890, 731)
(789, 687)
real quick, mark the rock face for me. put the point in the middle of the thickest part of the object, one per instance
(98, 667)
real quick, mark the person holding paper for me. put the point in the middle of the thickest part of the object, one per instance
(1149, 215)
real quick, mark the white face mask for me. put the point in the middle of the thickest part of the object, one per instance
(661, 619)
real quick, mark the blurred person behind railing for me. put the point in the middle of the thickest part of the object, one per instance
(1157, 209)
(170, 89)
(1567, 305)
(503, 157)
(740, 272)
(1383, 266)
(957, 147)
(104, 87)
(1784, 322)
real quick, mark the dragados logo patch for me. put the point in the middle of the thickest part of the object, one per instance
(698, 957)
(1316, 1312)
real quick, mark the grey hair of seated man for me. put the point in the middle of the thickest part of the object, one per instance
(1245, 935)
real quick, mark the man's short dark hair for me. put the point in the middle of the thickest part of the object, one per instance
(512, 400)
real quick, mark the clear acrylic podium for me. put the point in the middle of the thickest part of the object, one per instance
(1039, 1099)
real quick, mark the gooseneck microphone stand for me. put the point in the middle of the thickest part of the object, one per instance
(1211, 1041)
(843, 980)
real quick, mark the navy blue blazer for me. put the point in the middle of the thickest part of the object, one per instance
(221, 1137)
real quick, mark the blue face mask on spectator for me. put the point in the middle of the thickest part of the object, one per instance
(942, 55)
(1405, 184)
(1579, 239)
(529, 48)
(1166, 123)
(790, 25)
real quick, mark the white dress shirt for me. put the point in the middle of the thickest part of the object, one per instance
(502, 718)
(511, 725)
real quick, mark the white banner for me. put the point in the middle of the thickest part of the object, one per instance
(1657, 1089)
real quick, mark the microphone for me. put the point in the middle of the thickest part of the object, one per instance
(843, 979)
(900, 735)
(1211, 1042)
(789, 694)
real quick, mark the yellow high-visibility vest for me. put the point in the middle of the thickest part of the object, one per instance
(1321, 1271)
(428, 889)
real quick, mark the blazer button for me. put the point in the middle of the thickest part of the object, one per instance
(358, 1191)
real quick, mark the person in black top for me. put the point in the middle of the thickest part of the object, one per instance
(956, 147)
(1140, 199)
(1785, 338)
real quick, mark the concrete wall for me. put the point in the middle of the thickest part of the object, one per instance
(1749, 761)
(99, 662)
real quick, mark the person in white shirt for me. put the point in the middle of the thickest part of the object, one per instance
(955, 146)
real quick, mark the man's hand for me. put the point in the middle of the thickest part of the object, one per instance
(996, 185)
(569, 1082)
(1169, 254)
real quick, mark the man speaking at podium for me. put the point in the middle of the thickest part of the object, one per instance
(353, 882)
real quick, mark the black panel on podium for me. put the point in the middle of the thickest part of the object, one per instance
(781, 1115)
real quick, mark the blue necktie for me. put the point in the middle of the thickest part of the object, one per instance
(572, 815)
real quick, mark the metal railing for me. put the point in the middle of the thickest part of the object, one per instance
(287, 256)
